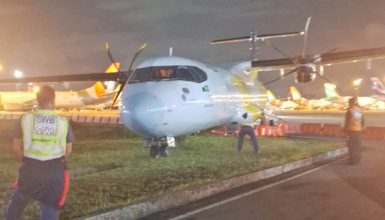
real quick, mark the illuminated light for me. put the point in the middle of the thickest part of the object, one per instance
(1, 67)
(18, 74)
(282, 72)
(357, 82)
(321, 70)
(36, 89)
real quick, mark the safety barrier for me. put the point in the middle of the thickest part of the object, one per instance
(291, 128)
(374, 133)
(310, 128)
(270, 131)
(332, 130)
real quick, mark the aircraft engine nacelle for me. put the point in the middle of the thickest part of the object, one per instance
(305, 74)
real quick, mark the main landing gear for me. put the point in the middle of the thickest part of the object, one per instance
(158, 148)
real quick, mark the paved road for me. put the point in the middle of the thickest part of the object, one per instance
(337, 191)
(372, 118)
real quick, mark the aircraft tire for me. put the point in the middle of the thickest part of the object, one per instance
(163, 150)
(154, 151)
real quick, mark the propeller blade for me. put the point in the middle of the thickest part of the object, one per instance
(117, 95)
(280, 51)
(110, 56)
(128, 74)
(304, 49)
(327, 52)
(136, 55)
(284, 75)
(329, 81)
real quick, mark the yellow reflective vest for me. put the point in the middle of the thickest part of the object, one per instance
(44, 134)
(354, 123)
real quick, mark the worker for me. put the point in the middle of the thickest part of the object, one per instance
(42, 142)
(354, 123)
(247, 129)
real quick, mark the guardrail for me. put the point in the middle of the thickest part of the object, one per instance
(304, 129)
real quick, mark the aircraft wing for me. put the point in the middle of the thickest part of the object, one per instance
(67, 78)
(323, 59)
(259, 36)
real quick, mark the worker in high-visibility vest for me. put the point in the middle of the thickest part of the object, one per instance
(247, 129)
(42, 141)
(354, 124)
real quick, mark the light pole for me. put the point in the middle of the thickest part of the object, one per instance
(18, 74)
(356, 85)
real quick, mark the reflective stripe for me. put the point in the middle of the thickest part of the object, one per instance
(249, 103)
(44, 135)
(354, 124)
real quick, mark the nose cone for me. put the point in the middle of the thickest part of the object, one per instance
(144, 114)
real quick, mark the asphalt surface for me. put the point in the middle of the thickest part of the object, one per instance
(335, 191)
(372, 118)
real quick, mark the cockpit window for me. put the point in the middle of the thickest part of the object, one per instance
(161, 73)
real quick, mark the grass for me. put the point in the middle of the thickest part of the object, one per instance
(110, 168)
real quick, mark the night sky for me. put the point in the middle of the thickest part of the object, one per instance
(67, 37)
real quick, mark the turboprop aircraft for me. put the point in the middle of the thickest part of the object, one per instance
(333, 96)
(173, 96)
(26, 100)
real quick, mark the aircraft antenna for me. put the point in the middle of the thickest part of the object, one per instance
(253, 38)
(305, 37)
(170, 50)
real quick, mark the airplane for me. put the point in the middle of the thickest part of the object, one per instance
(377, 86)
(342, 101)
(280, 104)
(174, 96)
(26, 100)
(304, 103)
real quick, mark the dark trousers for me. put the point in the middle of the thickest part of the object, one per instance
(354, 146)
(18, 203)
(247, 130)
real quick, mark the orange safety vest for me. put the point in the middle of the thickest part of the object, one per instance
(355, 122)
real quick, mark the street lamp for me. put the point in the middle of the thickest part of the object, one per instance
(356, 85)
(18, 74)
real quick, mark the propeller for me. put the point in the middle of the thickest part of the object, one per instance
(125, 75)
(284, 75)
(299, 60)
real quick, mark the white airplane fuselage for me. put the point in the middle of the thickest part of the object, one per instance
(196, 98)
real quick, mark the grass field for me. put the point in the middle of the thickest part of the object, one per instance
(110, 168)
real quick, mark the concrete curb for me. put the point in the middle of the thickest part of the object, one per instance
(182, 197)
